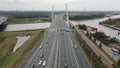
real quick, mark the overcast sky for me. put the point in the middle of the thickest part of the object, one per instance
(75, 5)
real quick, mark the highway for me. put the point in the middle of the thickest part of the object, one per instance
(58, 49)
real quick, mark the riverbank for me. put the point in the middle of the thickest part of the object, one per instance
(113, 27)
(9, 60)
(86, 17)
(113, 23)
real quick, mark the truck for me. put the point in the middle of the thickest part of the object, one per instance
(67, 29)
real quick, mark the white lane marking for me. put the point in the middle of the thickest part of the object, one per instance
(73, 51)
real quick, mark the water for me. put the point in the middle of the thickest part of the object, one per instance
(32, 26)
(95, 23)
(20, 42)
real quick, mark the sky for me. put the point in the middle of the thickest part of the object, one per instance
(59, 5)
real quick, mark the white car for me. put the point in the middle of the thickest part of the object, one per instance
(40, 62)
(46, 42)
(40, 47)
(44, 63)
(75, 46)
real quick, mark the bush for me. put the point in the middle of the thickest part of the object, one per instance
(83, 27)
(119, 62)
(2, 39)
(95, 60)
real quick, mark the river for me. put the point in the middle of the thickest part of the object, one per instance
(95, 23)
(32, 26)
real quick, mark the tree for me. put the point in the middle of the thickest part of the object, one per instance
(87, 33)
(100, 45)
(119, 51)
(100, 35)
(90, 36)
(94, 40)
(83, 27)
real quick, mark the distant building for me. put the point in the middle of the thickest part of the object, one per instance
(114, 49)
(92, 30)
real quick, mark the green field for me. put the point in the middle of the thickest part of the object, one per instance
(9, 60)
(12, 20)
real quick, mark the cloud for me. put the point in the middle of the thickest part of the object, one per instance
(47, 1)
(59, 4)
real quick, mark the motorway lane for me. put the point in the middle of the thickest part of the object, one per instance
(46, 52)
(52, 53)
(78, 61)
(34, 58)
(66, 54)
(73, 59)
(79, 53)
(50, 49)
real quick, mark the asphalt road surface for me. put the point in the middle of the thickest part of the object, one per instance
(58, 49)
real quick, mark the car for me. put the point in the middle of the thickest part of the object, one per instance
(44, 63)
(75, 46)
(48, 36)
(46, 42)
(33, 66)
(41, 55)
(40, 62)
(40, 47)
(65, 65)
(67, 29)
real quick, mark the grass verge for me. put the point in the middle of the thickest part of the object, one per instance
(9, 60)
(93, 59)
(107, 55)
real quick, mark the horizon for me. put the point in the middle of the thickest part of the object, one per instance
(59, 5)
